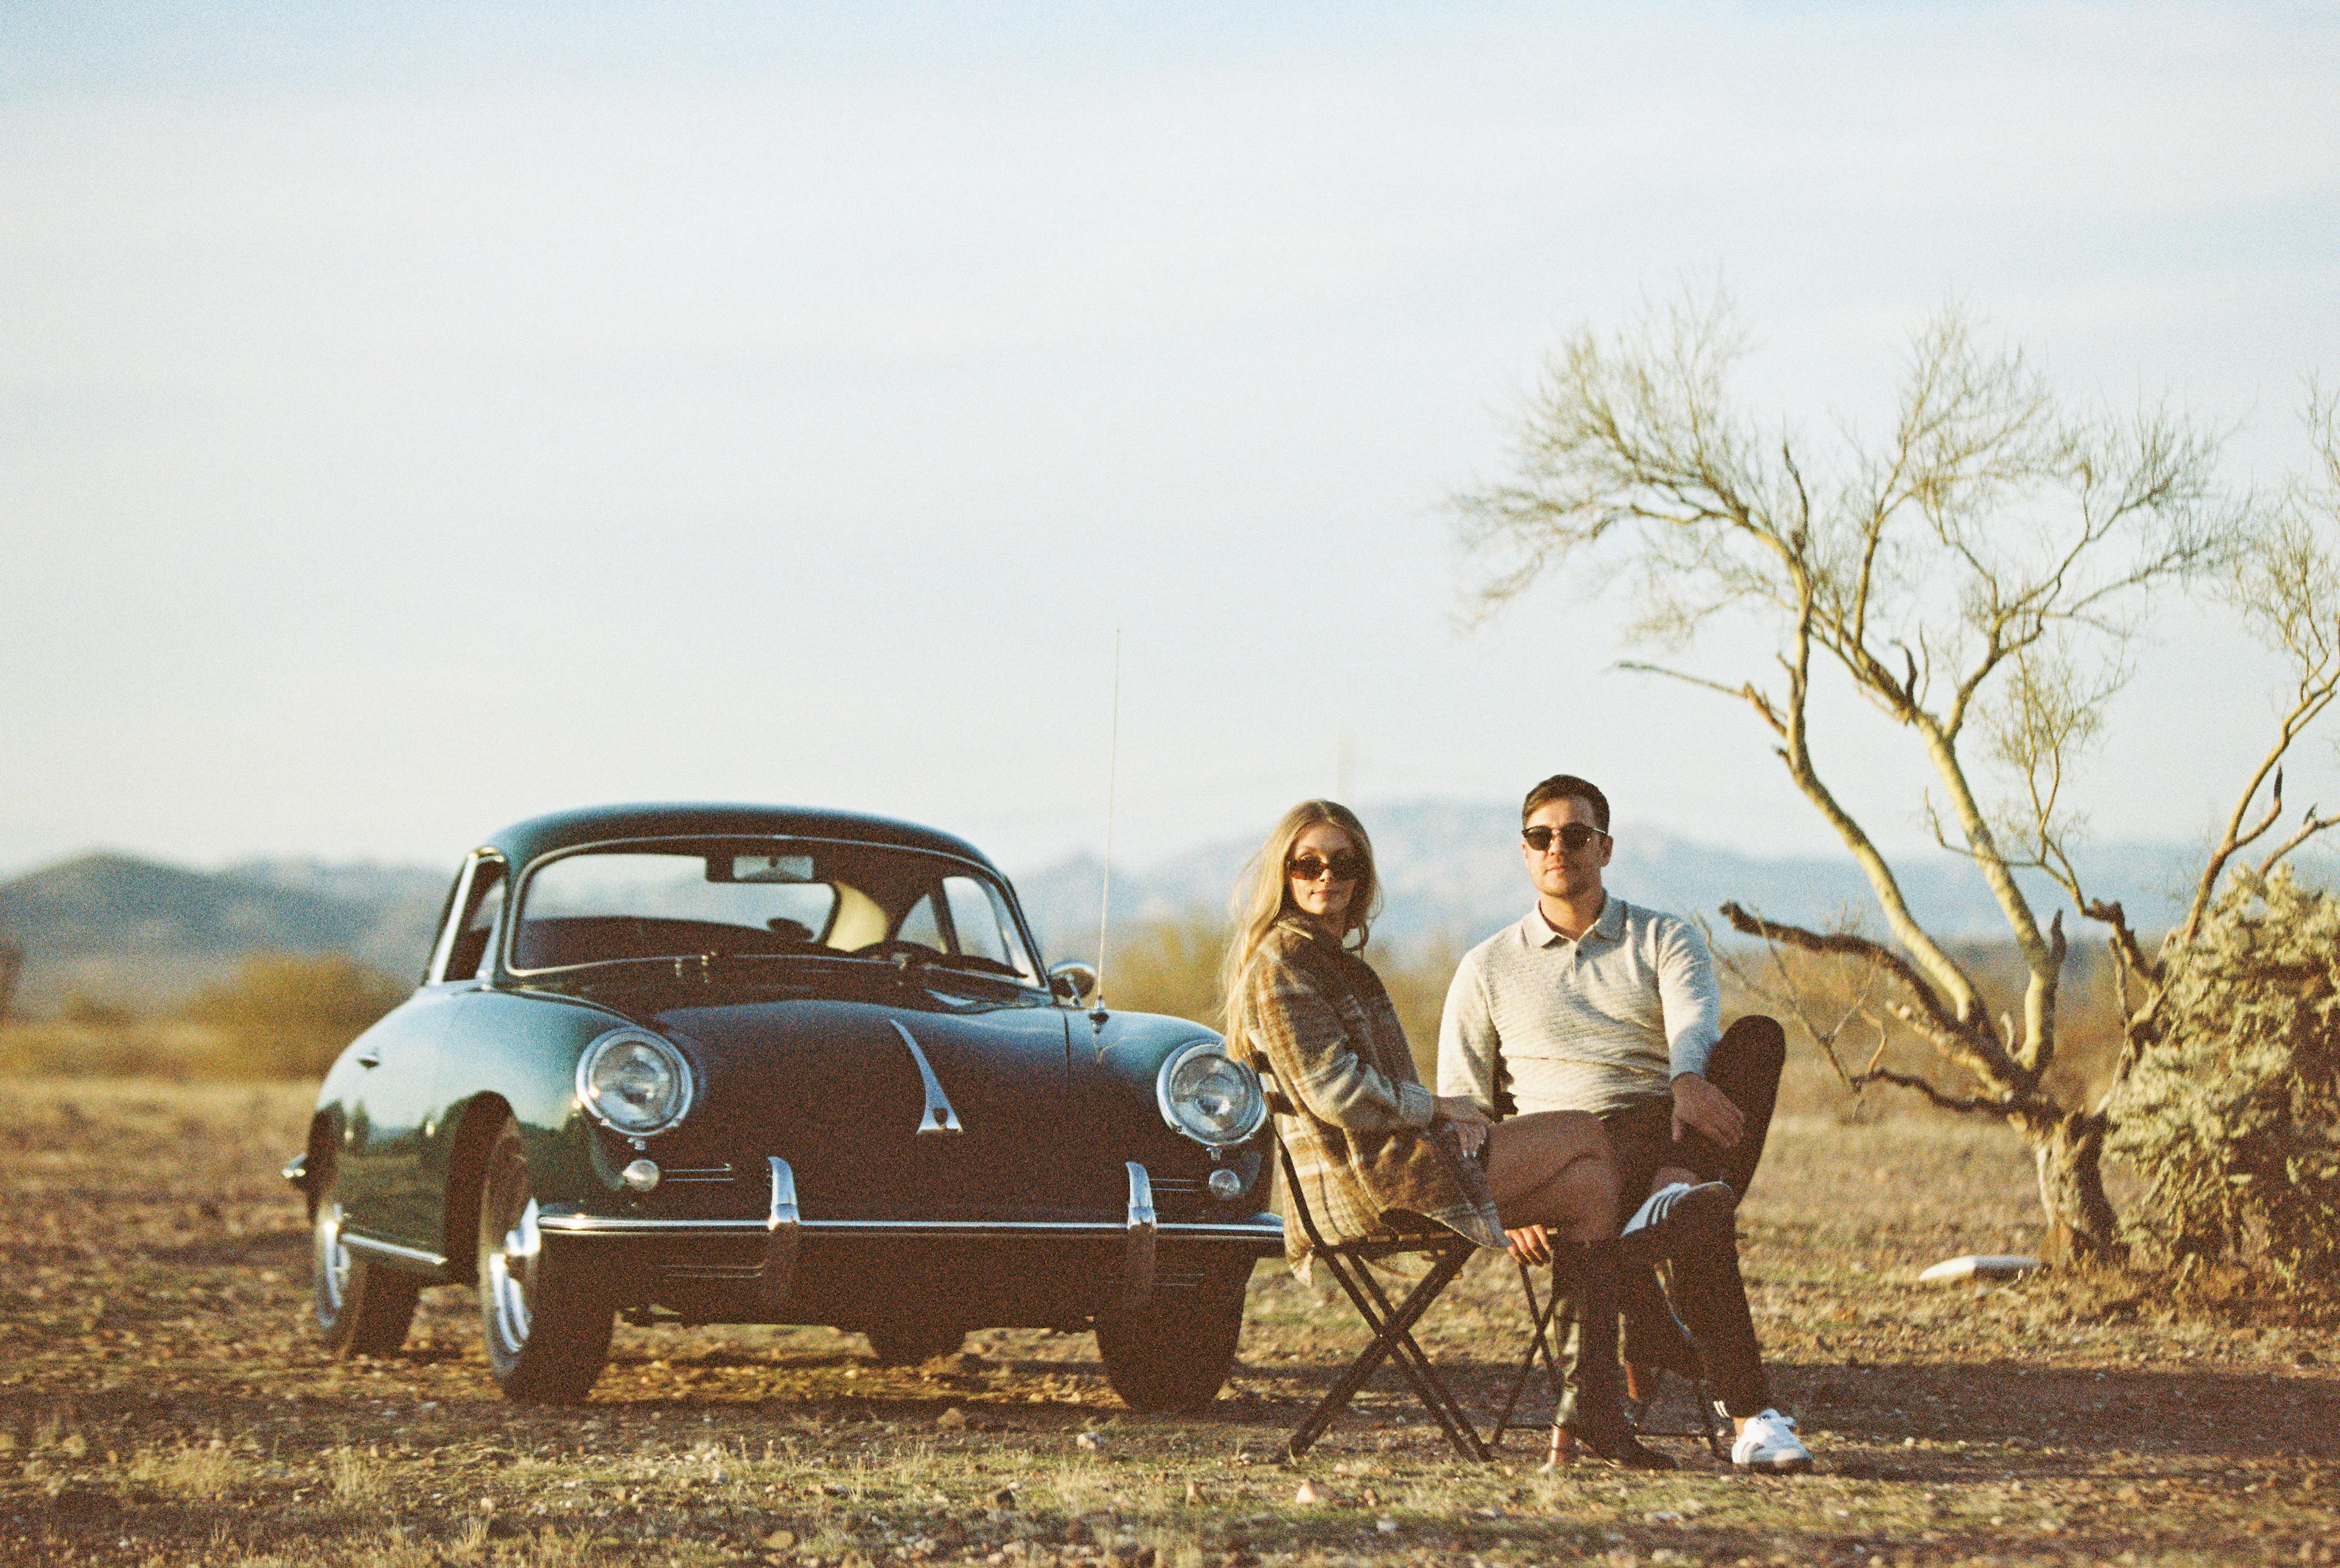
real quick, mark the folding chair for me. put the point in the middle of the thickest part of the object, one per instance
(1540, 1315)
(1391, 1324)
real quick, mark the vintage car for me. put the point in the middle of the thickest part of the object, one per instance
(744, 1064)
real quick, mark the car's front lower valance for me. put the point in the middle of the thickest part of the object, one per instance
(784, 1229)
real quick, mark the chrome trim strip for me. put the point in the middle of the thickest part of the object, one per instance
(782, 1227)
(1137, 1254)
(391, 1252)
(602, 1227)
(938, 1116)
(296, 1171)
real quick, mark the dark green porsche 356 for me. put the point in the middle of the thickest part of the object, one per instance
(732, 1064)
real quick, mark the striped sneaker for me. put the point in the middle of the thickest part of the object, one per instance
(1675, 1215)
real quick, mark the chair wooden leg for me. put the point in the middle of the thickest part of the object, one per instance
(1393, 1333)
(1414, 1364)
(1539, 1316)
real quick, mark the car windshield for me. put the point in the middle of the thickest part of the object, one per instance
(770, 897)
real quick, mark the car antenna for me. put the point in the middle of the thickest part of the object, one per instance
(1104, 887)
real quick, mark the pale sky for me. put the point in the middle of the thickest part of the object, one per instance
(412, 419)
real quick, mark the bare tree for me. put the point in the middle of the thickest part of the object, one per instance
(1978, 575)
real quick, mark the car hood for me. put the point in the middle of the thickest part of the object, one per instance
(835, 1086)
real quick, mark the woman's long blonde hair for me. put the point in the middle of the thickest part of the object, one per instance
(1262, 894)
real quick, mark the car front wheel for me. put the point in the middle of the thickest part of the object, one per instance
(1175, 1355)
(361, 1307)
(547, 1321)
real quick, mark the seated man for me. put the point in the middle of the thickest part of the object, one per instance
(1594, 1005)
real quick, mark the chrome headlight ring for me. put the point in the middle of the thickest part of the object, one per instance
(1219, 1097)
(640, 1103)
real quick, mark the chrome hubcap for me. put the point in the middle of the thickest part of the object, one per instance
(510, 1243)
(332, 1259)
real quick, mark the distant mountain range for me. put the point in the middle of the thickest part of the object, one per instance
(1452, 869)
(136, 932)
(141, 934)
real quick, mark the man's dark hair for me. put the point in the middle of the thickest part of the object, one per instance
(1565, 786)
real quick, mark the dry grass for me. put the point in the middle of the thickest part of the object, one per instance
(134, 1048)
(162, 1403)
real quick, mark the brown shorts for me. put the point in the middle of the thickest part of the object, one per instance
(1641, 1138)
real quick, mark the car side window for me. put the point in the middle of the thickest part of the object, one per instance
(920, 926)
(468, 958)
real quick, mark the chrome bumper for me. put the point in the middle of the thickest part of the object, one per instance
(784, 1228)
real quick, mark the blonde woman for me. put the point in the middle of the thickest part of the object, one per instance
(1369, 1142)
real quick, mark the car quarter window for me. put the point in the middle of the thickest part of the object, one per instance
(978, 921)
(919, 925)
(456, 952)
(467, 958)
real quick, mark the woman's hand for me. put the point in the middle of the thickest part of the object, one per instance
(1462, 1114)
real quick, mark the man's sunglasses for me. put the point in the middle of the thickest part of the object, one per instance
(1573, 838)
(1344, 867)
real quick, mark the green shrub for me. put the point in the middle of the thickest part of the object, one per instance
(290, 1015)
(2232, 1118)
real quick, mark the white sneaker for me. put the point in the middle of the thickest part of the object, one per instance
(1722, 1413)
(1768, 1442)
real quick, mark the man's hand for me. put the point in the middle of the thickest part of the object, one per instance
(1529, 1244)
(1700, 1107)
(1462, 1114)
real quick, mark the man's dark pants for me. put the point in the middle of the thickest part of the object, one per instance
(1708, 1291)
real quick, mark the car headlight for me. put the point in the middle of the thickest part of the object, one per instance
(634, 1083)
(1208, 1096)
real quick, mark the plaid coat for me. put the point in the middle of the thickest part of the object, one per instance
(1368, 1158)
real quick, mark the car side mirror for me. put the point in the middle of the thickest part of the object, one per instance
(1072, 980)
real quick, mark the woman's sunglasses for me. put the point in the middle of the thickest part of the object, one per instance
(1573, 838)
(1344, 867)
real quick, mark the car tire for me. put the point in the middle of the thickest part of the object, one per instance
(911, 1343)
(361, 1307)
(547, 1319)
(1176, 1357)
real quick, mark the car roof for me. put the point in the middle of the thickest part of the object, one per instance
(525, 841)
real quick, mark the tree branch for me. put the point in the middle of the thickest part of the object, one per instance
(2037, 1050)
(2307, 829)
(1944, 971)
(2124, 945)
(2237, 836)
(1972, 1049)
(1970, 1104)
(1745, 692)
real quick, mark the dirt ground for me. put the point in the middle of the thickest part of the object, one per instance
(161, 1401)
